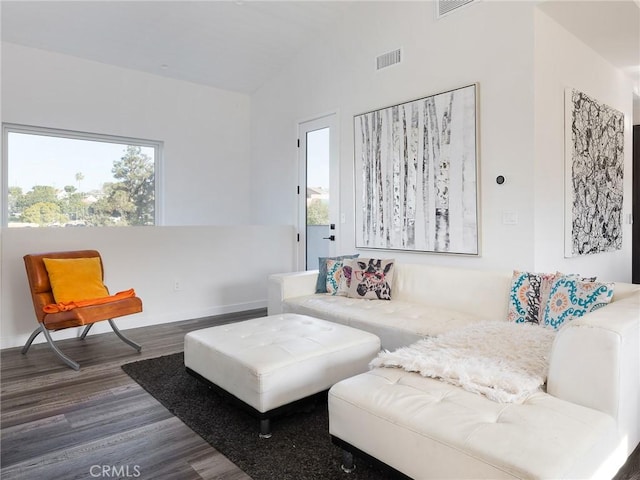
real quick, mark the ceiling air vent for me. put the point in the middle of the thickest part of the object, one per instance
(445, 7)
(387, 59)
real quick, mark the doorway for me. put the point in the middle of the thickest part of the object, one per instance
(318, 190)
(635, 193)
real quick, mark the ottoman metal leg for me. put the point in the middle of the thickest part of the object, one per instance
(348, 466)
(265, 428)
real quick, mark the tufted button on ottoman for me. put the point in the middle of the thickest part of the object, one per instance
(272, 362)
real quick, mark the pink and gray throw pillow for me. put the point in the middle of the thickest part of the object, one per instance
(371, 278)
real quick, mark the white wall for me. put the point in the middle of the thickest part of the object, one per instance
(562, 61)
(206, 182)
(220, 270)
(204, 130)
(231, 159)
(522, 62)
(490, 43)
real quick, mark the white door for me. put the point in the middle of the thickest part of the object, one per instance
(318, 190)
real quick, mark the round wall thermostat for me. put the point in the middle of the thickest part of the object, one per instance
(499, 179)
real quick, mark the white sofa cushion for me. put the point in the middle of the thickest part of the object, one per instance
(426, 300)
(429, 429)
(477, 292)
(396, 322)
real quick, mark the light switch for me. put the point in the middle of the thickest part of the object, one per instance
(509, 218)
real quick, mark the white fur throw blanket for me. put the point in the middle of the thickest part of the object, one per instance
(504, 361)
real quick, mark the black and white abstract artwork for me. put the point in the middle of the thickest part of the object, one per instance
(594, 171)
(416, 175)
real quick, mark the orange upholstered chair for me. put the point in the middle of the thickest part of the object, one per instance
(77, 316)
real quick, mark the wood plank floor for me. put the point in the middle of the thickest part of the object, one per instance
(58, 424)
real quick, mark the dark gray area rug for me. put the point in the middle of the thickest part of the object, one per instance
(300, 447)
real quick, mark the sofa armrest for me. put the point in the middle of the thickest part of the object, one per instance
(289, 285)
(595, 362)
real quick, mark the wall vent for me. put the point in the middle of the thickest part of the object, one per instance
(387, 59)
(445, 7)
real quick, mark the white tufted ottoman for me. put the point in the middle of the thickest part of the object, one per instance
(271, 362)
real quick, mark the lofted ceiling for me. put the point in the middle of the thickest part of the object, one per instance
(611, 28)
(233, 45)
(239, 45)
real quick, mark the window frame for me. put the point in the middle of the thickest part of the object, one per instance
(157, 145)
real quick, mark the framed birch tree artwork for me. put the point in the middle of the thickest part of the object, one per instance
(594, 171)
(416, 175)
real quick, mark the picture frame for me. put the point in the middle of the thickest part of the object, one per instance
(416, 175)
(594, 175)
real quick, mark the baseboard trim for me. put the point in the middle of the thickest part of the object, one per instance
(144, 319)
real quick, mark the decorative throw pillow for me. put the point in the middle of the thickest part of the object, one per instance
(524, 297)
(371, 278)
(570, 297)
(577, 276)
(74, 279)
(529, 295)
(345, 278)
(334, 273)
(321, 284)
(546, 282)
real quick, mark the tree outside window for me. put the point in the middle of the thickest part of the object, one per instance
(61, 180)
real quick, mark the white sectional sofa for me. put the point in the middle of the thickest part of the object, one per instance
(584, 425)
(426, 300)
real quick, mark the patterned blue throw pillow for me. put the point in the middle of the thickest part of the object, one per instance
(571, 297)
(524, 297)
(321, 283)
(334, 273)
(529, 295)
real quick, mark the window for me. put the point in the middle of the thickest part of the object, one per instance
(59, 178)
